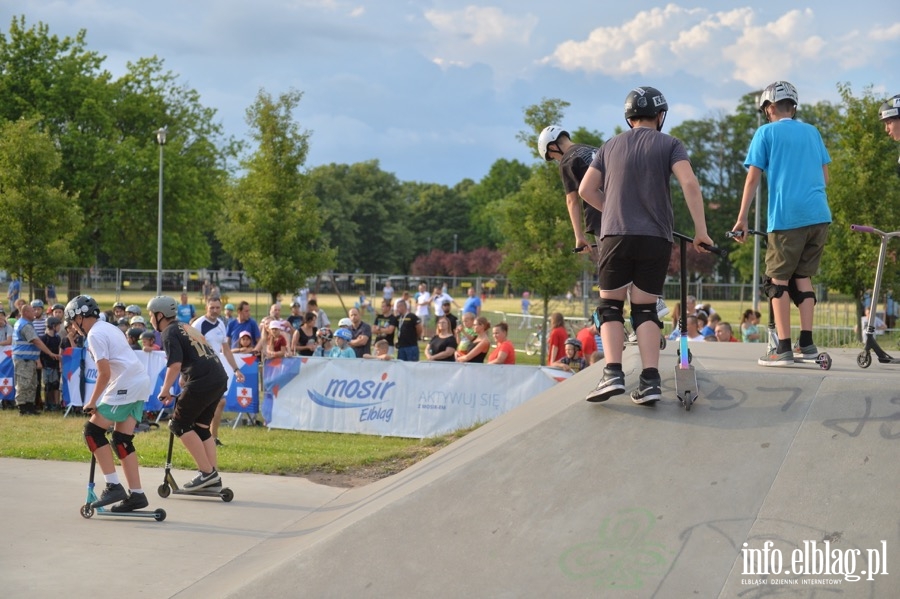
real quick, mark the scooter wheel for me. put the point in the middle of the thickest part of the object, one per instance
(159, 515)
(688, 401)
(87, 510)
(227, 495)
(662, 342)
(864, 359)
(164, 490)
(824, 361)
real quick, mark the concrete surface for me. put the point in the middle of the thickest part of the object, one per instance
(558, 498)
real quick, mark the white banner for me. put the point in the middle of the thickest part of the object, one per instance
(401, 399)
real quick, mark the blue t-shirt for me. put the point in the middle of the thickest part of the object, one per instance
(186, 313)
(473, 305)
(792, 155)
(235, 328)
(336, 352)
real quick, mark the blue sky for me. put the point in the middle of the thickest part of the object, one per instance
(435, 90)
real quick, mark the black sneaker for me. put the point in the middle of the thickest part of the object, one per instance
(201, 481)
(648, 392)
(612, 383)
(111, 494)
(135, 501)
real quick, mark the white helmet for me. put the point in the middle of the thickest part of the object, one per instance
(548, 136)
(776, 92)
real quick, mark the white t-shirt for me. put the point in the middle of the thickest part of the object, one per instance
(422, 302)
(437, 302)
(128, 380)
(213, 331)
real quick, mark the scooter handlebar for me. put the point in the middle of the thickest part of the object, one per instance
(863, 228)
(578, 250)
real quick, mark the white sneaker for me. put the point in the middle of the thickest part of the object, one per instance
(661, 308)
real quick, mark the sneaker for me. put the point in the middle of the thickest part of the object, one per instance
(648, 392)
(632, 338)
(201, 481)
(135, 501)
(773, 358)
(807, 351)
(612, 383)
(111, 494)
(662, 310)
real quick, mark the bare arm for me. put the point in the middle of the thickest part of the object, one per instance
(589, 189)
(694, 200)
(751, 183)
(103, 376)
(172, 374)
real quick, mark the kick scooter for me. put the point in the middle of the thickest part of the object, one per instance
(823, 360)
(169, 485)
(686, 387)
(864, 359)
(94, 506)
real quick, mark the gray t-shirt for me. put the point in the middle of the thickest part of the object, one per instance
(637, 167)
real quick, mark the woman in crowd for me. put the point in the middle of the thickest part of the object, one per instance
(442, 347)
(304, 341)
(480, 346)
(556, 342)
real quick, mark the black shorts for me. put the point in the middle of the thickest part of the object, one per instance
(197, 407)
(639, 259)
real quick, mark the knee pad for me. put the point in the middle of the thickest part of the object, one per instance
(609, 310)
(774, 291)
(641, 313)
(122, 444)
(94, 436)
(177, 428)
(202, 431)
(797, 296)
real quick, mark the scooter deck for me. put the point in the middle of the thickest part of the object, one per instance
(169, 486)
(88, 510)
(686, 385)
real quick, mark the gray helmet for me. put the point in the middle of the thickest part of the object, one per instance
(890, 109)
(165, 305)
(37, 303)
(776, 92)
(548, 136)
(574, 343)
(82, 305)
(134, 309)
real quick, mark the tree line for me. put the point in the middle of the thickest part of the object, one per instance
(79, 164)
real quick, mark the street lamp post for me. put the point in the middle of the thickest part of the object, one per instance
(161, 140)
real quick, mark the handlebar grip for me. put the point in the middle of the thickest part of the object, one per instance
(715, 250)
(862, 228)
(733, 234)
(578, 250)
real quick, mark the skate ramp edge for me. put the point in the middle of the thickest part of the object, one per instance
(568, 499)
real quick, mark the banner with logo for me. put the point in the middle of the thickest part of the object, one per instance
(401, 399)
(7, 375)
(80, 375)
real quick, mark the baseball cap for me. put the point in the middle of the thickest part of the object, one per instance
(244, 334)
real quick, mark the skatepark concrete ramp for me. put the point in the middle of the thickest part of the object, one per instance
(779, 482)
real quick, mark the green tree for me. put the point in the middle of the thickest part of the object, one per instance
(104, 129)
(485, 198)
(364, 217)
(535, 223)
(272, 221)
(862, 190)
(35, 212)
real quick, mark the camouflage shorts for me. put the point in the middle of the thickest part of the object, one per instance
(26, 380)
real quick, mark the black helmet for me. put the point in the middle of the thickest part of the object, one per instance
(119, 305)
(82, 305)
(644, 102)
(890, 109)
(574, 343)
(57, 306)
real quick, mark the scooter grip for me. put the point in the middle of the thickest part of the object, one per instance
(862, 228)
(714, 249)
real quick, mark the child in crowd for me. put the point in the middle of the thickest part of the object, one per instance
(325, 338)
(134, 337)
(572, 361)
(381, 349)
(148, 341)
(50, 365)
(342, 347)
